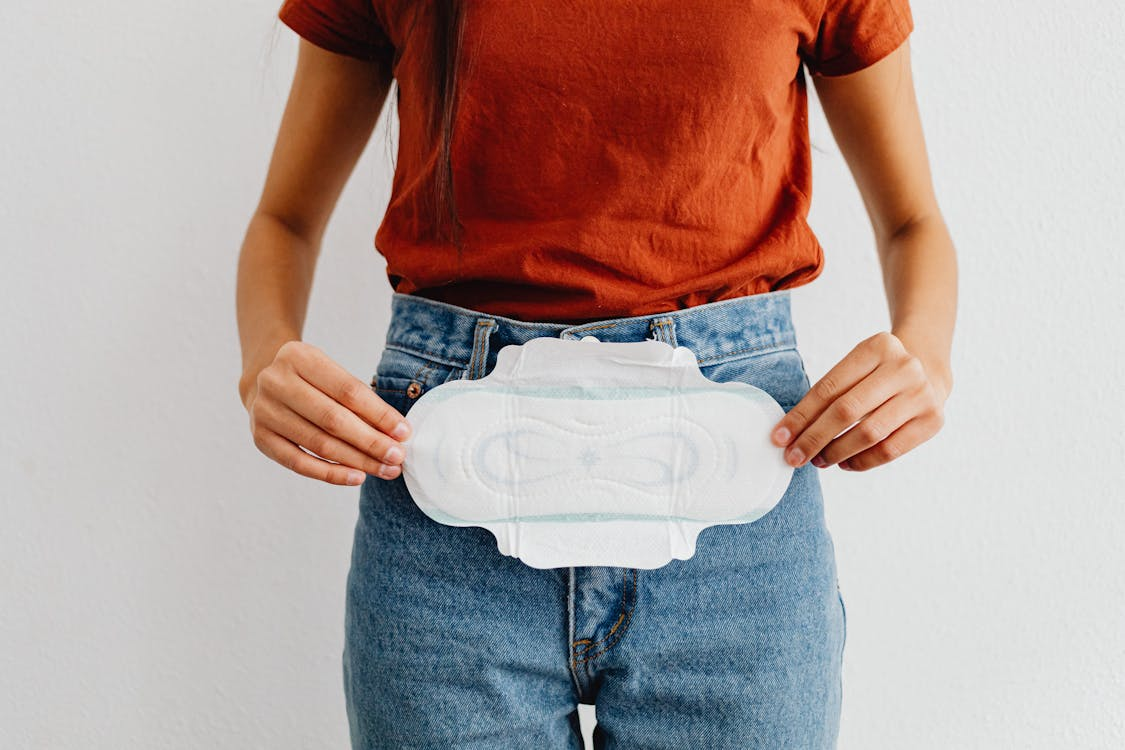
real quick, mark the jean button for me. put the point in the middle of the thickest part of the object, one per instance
(413, 390)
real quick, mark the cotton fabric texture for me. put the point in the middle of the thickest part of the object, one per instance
(451, 644)
(610, 157)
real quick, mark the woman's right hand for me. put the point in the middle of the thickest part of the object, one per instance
(304, 399)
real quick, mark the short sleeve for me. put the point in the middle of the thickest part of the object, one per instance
(347, 27)
(853, 34)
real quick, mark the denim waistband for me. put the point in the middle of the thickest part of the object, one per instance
(714, 331)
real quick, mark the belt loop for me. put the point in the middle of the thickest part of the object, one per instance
(664, 329)
(478, 361)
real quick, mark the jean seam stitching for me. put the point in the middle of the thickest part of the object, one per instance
(669, 335)
(435, 360)
(480, 349)
(702, 361)
(582, 328)
(723, 358)
(770, 299)
(478, 343)
(417, 377)
(623, 622)
(571, 591)
(620, 617)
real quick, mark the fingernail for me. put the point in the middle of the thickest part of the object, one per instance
(844, 465)
(394, 455)
(819, 462)
(356, 477)
(795, 456)
(387, 471)
(401, 430)
(781, 434)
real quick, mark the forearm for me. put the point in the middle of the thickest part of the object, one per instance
(275, 275)
(920, 278)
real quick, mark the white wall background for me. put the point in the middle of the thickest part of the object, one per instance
(164, 585)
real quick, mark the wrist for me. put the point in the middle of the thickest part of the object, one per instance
(259, 359)
(941, 375)
(933, 357)
(247, 385)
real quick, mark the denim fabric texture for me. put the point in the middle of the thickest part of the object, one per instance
(450, 644)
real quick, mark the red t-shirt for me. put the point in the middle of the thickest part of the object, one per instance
(610, 158)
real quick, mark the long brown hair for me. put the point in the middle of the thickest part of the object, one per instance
(441, 75)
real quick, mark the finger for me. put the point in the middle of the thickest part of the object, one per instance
(327, 376)
(858, 363)
(334, 418)
(876, 426)
(849, 407)
(293, 458)
(906, 438)
(307, 435)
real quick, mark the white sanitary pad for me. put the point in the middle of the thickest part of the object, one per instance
(595, 453)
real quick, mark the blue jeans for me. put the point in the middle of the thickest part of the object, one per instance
(450, 644)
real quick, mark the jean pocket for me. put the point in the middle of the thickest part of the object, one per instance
(402, 377)
(778, 372)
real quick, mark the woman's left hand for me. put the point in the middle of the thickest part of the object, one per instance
(892, 397)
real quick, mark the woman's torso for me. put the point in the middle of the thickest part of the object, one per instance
(614, 158)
